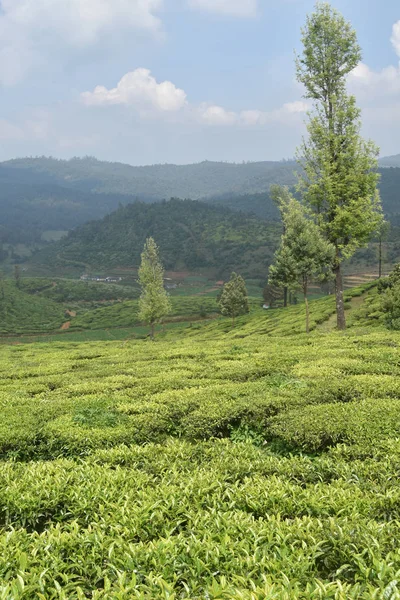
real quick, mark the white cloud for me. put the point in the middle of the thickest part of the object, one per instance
(395, 39)
(216, 115)
(236, 8)
(140, 90)
(31, 31)
(368, 84)
(296, 107)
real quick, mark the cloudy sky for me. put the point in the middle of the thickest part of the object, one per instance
(178, 81)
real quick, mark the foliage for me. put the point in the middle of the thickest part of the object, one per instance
(191, 235)
(339, 178)
(131, 471)
(234, 299)
(154, 303)
(303, 254)
(388, 304)
(391, 306)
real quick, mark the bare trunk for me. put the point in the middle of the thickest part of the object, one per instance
(341, 317)
(152, 333)
(380, 258)
(285, 296)
(307, 313)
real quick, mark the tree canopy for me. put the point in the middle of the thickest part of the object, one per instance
(339, 176)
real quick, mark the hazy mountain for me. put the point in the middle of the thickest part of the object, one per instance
(41, 194)
(390, 161)
(158, 181)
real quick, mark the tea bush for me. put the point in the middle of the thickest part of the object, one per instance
(244, 463)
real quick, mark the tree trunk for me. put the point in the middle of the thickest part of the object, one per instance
(380, 258)
(285, 296)
(341, 317)
(307, 313)
(152, 331)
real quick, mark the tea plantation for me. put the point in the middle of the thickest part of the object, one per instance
(223, 464)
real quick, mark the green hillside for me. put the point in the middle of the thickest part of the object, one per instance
(42, 197)
(224, 464)
(21, 312)
(191, 235)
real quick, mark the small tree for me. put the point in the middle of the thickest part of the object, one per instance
(234, 300)
(303, 255)
(154, 303)
(339, 178)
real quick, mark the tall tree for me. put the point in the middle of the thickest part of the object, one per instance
(338, 179)
(280, 195)
(154, 303)
(234, 300)
(303, 254)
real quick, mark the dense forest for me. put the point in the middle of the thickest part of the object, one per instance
(191, 235)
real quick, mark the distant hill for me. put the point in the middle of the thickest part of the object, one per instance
(192, 235)
(44, 194)
(32, 203)
(158, 181)
(390, 161)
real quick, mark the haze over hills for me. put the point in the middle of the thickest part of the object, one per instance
(41, 194)
(158, 181)
(390, 161)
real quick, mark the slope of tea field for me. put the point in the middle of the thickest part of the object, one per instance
(21, 312)
(222, 465)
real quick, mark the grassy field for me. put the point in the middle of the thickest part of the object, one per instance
(248, 464)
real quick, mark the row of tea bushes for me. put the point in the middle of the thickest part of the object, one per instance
(206, 520)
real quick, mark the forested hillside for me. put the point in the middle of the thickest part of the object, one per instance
(32, 204)
(41, 195)
(191, 235)
(159, 181)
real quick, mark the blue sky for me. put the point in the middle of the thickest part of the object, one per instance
(178, 81)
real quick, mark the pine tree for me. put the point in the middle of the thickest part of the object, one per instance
(303, 255)
(339, 178)
(234, 299)
(154, 303)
